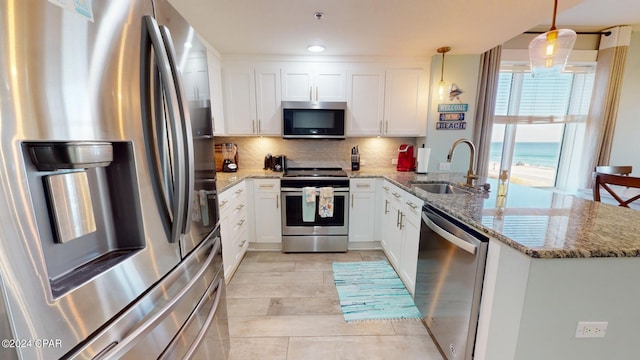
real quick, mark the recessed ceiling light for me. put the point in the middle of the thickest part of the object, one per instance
(315, 48)
(318, 15)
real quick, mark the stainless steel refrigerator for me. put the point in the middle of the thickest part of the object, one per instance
(109, 238)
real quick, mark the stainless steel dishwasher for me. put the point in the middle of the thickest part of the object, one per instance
(451, 262)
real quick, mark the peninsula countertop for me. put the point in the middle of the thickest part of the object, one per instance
(538, 223)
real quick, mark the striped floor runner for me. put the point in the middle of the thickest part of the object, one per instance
(372, 290)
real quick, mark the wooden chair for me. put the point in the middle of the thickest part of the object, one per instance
(616, 170)
(606, 181)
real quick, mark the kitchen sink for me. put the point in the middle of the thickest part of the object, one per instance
(441, 188)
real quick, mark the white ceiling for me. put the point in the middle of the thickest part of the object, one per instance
(389, 27)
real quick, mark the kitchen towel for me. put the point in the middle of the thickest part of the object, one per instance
(308, 204)
(423, 160)
(326, 202)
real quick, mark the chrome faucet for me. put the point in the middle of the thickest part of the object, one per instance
(472, 159)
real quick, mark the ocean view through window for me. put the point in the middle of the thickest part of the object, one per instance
(530, 125)
(533, 163)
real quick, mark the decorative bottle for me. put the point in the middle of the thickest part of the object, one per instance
(503, 184)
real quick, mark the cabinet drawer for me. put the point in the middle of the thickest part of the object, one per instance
(231, 198)
(266, 185)
(395, 193)
(412, 206)
(362, 185)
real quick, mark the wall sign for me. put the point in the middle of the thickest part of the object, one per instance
(452, 115)
(453, 125)
(453, 108)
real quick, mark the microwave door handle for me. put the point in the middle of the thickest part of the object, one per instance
(183, 107)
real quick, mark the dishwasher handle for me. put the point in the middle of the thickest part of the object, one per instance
(461, 243)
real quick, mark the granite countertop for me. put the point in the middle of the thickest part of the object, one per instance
(538, 223)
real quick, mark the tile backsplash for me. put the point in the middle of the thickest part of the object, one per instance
(374, 152)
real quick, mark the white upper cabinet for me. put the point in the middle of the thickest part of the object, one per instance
(252, 100)
(365, 102)
(313, 82)
(240, 100)
(215, 90)
(195, 79)
(405, 105)
(268, 100)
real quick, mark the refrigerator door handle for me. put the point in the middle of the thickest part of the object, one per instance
(134, 336)
(214, 287)
(175, 207)
(186, 128)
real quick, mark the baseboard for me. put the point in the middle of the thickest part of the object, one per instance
(365, 245)
(253, 246)
(360, 245)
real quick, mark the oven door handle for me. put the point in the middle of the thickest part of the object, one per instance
(299, 190)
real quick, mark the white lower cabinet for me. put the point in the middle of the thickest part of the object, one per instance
(267, 211)
(362, 210)
(401, 214)
(233, 227)
(410, 221)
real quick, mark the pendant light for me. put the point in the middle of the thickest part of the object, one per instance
(442, 86)
(549, 52)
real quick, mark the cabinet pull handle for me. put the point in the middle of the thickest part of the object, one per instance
(386, 202)
(238, 192)
(253, 126)
(310, 93)
(277, 201)
(223, 203)
(241, 222)
(259, 127)
(401, 220)
(385, 188)
(412, 205)
(381, 126)
(266, 186)
(386, 127)
(396, 195)
(352, 201)
(363, 185)
(240, 207)
(317, 93)
(398, 219)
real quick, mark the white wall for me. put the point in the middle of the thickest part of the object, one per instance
(626, 140)
(463, 70)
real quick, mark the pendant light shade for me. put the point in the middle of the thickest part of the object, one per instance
(549, 52)
(442, 85)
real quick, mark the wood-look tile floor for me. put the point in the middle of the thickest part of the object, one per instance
(286, 307)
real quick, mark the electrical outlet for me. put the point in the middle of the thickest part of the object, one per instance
(361, 162)
(394, 161)
(444, 166)
(591, 329)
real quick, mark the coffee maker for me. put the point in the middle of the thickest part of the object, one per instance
(230, 157)
(406, 159)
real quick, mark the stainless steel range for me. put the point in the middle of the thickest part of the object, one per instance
(310, 229)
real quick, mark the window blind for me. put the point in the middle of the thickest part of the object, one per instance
(523, 99)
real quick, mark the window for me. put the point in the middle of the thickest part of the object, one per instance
(535, 121)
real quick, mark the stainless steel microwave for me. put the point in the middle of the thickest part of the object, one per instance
(313, 120)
